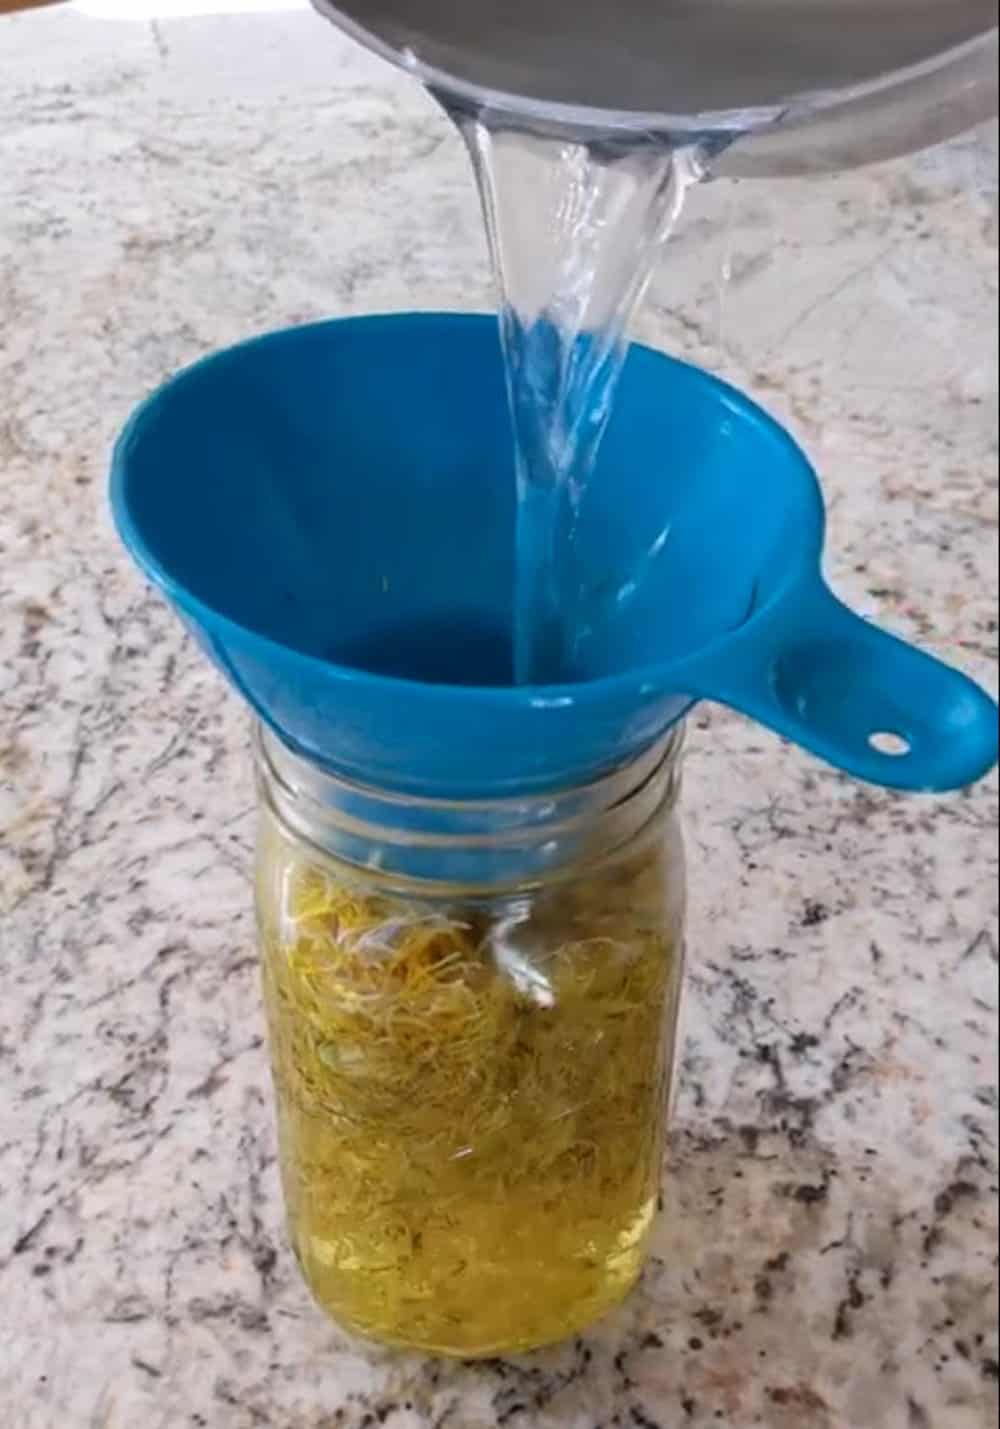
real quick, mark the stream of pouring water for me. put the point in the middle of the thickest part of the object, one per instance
(575, 230)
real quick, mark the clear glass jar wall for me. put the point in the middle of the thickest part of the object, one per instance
(472, 1014)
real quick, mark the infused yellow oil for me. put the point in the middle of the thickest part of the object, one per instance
(471, 1093)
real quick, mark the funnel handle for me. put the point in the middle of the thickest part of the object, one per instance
(814, 671)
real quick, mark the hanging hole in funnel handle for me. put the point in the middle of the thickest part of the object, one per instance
(895, 746)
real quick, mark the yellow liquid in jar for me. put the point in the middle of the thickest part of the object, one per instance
(470, 1106)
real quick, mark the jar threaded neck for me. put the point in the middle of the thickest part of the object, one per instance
(486, 843)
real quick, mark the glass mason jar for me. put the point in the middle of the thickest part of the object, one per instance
(473, 1013)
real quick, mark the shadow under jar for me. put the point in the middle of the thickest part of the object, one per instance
(473, 1014)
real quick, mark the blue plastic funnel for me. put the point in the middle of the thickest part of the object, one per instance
(331, 511)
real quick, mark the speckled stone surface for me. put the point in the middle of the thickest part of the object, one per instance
(828, 1258)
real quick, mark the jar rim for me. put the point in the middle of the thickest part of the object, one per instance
(491, 842)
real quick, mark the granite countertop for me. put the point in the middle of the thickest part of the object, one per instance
(828, 1260)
